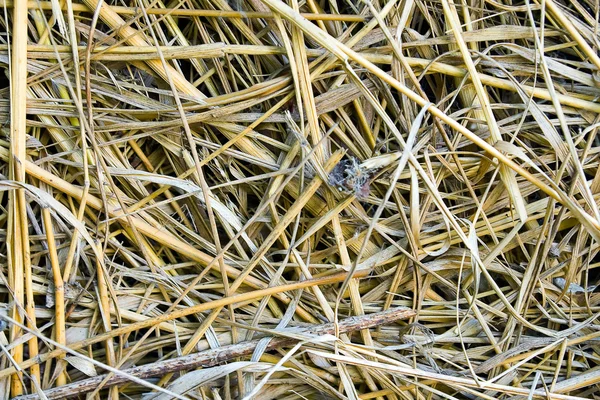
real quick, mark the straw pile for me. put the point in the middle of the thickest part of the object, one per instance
(211, 199)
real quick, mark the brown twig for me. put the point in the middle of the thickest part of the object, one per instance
(214, 357)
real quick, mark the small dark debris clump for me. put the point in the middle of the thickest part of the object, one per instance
(349, 177)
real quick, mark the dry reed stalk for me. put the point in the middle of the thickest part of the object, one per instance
(182, 313)
(19, 267)
(184, 176)
(59, 288)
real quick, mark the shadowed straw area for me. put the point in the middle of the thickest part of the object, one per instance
(285, 199)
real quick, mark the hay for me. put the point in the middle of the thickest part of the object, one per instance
(205, 199)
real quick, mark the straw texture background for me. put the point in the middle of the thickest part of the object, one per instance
(284, 199)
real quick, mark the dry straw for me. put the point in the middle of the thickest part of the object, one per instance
(211, 199)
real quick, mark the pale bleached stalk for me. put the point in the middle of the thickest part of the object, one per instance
(122, 10)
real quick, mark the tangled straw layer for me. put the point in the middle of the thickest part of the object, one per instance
(284, 199)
